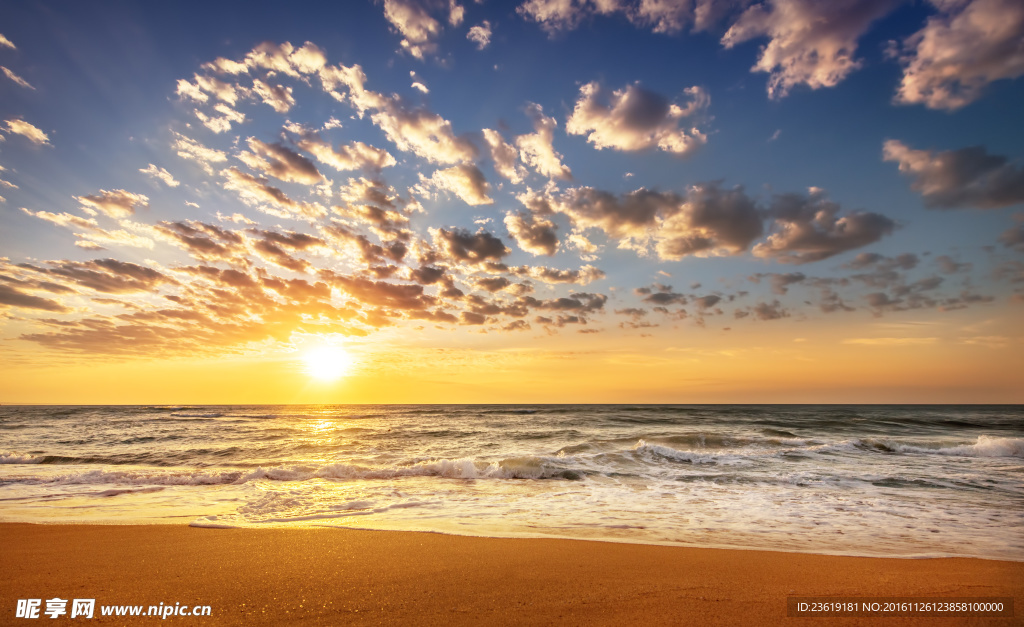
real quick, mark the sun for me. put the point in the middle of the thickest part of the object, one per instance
(327, 363)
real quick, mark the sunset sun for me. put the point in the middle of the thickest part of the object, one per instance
(327, 363)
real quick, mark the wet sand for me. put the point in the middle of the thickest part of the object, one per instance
(342, 577)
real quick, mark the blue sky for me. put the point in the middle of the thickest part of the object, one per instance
(116, 89)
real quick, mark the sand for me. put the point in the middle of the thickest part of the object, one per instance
(342, 577)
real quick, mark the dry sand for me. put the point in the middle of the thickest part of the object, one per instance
(342, 577)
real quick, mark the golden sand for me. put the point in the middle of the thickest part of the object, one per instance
(343, 577)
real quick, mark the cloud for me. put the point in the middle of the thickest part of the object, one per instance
(891, 341)
(661, 16)
(537, 150)
(465, 181)
(109, 276)
(65, 219)
(257, 191)
(533, 234)
(14, 77)
(810, 42)
(780, 282)
(710, 221)
(278, 97)
(423, 133)
(276, 247)
(222, 123)
(206, 242)
(707, 221)
(354, 156)
(188, 148)
(809, 228)
(463, 246)
(6, 43)
(637, 119)
(505, 156)
(116, 204)
(583, 276)
(11, 297)
(969, 44)
(968, 177)
(280, 162)
(561, 15)
(28, 131)
(480, 35)
(160, 174)
(419, 30)
(1013, 237)
(411, 129)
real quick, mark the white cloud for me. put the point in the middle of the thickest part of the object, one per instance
(17, 79)
(480, 35)
(221, 123)
(968, 45)
(810, 42)
(637, 119)
(6, 43)
(505, 156)
(465, 181)
(28, 131)
(188, 148)
(418, 29)
(277, 96)
(161, 174)
(537, 150)
(117, 203)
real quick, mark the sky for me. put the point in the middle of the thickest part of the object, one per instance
(541, 201)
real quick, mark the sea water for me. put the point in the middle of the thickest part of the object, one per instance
(904, 481)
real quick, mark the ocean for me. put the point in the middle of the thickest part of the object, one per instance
(896, 481)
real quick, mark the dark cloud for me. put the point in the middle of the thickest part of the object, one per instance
(468, 247)
(280, 162)
(809, 228)
(109, 276)
(10, 297)
(968, 177)
(534, 234)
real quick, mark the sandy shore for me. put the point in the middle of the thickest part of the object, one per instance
(341, 577)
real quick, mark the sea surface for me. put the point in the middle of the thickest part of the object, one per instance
(907, 481)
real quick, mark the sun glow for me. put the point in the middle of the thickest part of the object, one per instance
(327, 363)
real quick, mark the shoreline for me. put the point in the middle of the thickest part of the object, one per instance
(319, 575)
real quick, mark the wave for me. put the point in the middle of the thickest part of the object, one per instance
(986, 446)
(18, 458)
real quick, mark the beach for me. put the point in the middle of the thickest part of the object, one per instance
(330, 576)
